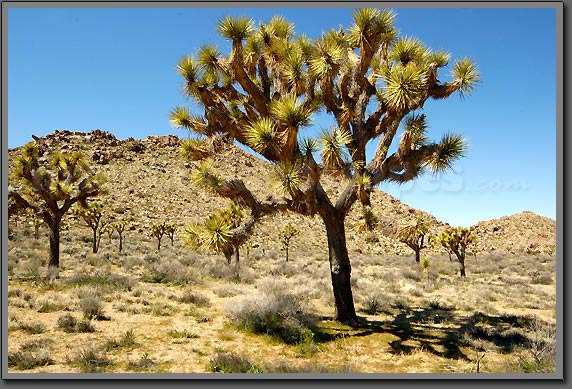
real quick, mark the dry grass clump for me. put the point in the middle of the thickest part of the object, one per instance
(169, 271)
(91, 303)
(70, 324)
(91, 360)
(274, 312)
(30, 358)
(232, 363)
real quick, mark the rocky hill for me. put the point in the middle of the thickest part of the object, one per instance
(148, 181)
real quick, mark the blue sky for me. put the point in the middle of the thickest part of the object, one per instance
(114, 69)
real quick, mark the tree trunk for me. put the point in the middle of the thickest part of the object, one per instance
(158, 244)
(95, 241)
(340, 267)
(228, 254)
(54, 244)
(237, 256)
(286, 253)
(462, 265)
(417, 255)
(120, 242)
(36, 231)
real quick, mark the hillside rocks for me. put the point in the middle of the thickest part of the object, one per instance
(148, 181)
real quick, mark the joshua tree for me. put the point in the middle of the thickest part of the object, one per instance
(170, 229)
(367, 221)
(50, 189)
(286, 234)
(456, 240)
(218, 232)
(36, 221)
(158, 230)
(119, 226)
(413, 235)
(94, 218)
(369, 78)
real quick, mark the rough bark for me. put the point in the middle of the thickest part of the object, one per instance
(120, 242)
(462, 266)
(340, 267)
(418, 255)
(94, 247)
(54, 244)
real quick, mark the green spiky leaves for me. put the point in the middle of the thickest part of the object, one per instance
(466, 75)
(407, 50)
(204, 176)
(404, 86)
(334, 148)
(261, 135)
(194, 149)
(451, 148)
(188, 68)
(288, 176)
(216, 231)
(290, 112)
(415, 126)
(235, 28)
(371, 25)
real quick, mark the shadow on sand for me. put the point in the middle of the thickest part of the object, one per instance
(438, 331)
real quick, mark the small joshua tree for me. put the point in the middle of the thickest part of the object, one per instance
(51, 189)
(367, 221)
(456, 240)
(119, 226)
(221, 232)
(95, 219)
(158, 230)
(170, 229)
(285, 235)
(36, 221)
(414, 234)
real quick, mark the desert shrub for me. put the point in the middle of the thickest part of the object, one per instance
(169, 271)
(182, 334)
(127, 340)
(163, 309)
(91, 304)
(69, 323)
(439, 305)
(24, 360)
(33, 328)
(411, 275)
(401, 303)
(36, 344)
(538, 352)
(189, 297)
(375, 303)
(541, 278)
(144, 363)
(48, 305)
(91, 360)
(232, 363)
(279, 315)
(104, 280)
(285, 367)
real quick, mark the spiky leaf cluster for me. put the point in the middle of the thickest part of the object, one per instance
(413, 234)
(52, 185)
(215, 233)
(457, 239)
(286, 234)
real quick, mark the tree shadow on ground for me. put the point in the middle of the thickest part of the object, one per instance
(437, 330)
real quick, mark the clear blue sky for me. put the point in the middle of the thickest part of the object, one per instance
(114, 69)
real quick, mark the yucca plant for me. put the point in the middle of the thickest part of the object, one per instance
(372, 81)
(51, 189)
(36, 221)
(95, 219)
(158, 230)
(220, 232)
(285, 235)
(456, 240)
(170, 229)
(414, 235)
(120, 226)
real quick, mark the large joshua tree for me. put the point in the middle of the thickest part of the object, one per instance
(367, 77)
(50, 188)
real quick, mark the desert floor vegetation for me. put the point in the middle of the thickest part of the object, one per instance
(178, 311)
